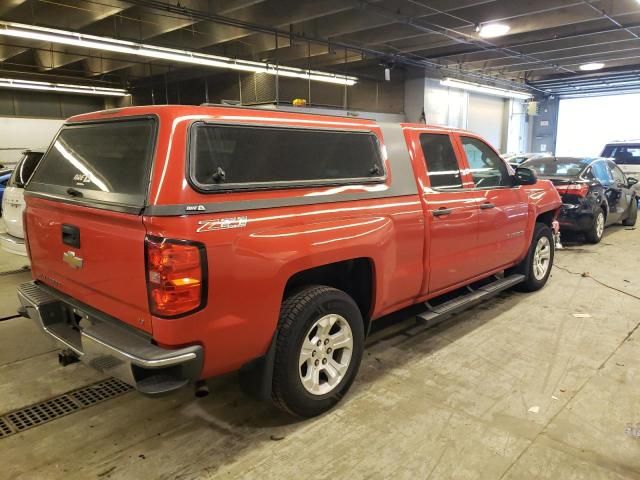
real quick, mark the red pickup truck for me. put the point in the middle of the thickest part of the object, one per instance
(171, 244)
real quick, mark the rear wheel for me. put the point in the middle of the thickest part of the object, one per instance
(318, 351)
(594, 234)
(536, 267)
(630, 221)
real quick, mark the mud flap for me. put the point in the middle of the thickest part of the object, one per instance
(256, 377)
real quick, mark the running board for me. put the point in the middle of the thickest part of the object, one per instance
(435, 315)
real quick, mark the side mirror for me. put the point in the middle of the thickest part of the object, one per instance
(631, 181)
(525, 176)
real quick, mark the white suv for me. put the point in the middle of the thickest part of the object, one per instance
(626, 154)
(13, 203)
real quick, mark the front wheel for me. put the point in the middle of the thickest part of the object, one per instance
(536, 267)
(630, 221)
(318, 350)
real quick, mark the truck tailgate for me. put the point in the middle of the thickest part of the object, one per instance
(104, 268)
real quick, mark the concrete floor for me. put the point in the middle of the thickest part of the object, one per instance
(517, 388)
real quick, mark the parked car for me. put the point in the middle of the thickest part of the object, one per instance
(626, 154)
(517, 159)
(171, 244)
(595, 193)
(5, 174)
(13, 203)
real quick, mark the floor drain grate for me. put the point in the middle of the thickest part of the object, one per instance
(5, 429)
(56, 407)
(42, 412)
(100, 391)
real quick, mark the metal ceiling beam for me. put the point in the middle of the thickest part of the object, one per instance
(234, 22)
(76, 14)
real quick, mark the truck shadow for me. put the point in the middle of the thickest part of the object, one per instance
(398, 331)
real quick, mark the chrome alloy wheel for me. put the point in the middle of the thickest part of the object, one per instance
(325, 354)
(600, 224)
(541, 258)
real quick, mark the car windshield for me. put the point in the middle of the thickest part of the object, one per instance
(627, 154)
(558, 167)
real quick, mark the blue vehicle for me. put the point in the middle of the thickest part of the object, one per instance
(5, 174)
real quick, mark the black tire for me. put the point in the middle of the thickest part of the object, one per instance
(630, 221)
(527, 266)
(299, 313)
(593, 235)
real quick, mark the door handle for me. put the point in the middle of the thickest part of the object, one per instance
(487, 206)
(71, 235)
(441, 212)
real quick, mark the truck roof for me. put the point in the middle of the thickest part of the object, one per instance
(211, 109)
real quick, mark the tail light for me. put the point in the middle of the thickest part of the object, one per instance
(176, 276)
(579, 189)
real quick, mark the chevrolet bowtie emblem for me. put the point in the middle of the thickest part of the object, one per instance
(70, 259)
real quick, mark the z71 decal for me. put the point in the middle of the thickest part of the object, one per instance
(222, 224)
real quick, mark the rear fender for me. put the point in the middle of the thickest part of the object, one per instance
(306, 246)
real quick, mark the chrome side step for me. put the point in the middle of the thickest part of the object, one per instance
(436, 314)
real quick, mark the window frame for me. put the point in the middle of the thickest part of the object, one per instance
(275, 185)
(98, 199)
(508, 169)
(461, 166)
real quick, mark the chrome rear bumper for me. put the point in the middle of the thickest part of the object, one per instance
(107, 344)
(13, 244)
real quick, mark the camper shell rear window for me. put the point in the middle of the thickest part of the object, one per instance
(105, 163)
(235, 157)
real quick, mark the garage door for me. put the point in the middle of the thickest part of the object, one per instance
(486, 117)
(585, 125)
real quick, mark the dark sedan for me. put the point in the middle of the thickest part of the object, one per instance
(595, 193)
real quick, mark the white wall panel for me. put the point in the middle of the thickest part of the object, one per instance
(487, 116)
(445, 106)
(17, 134)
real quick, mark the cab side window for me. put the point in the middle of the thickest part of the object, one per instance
(487, 168)
(616, 173)
(442, 165)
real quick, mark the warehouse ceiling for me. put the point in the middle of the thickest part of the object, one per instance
(547, 40)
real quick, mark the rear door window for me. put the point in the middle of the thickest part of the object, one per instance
(103, 162)
(225, 157)
(602, 173)
(616, 173)
(487, 168)
(442, 165)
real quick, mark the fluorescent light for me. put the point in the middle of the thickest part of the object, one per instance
(475, 87)
(93, 42)
(587, 67)
(492, 30)
(61, 87)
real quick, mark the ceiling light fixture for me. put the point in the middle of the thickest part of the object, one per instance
(476, 87)
(12, 83)
(588, 67)
(492, 30)
(64, 37)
